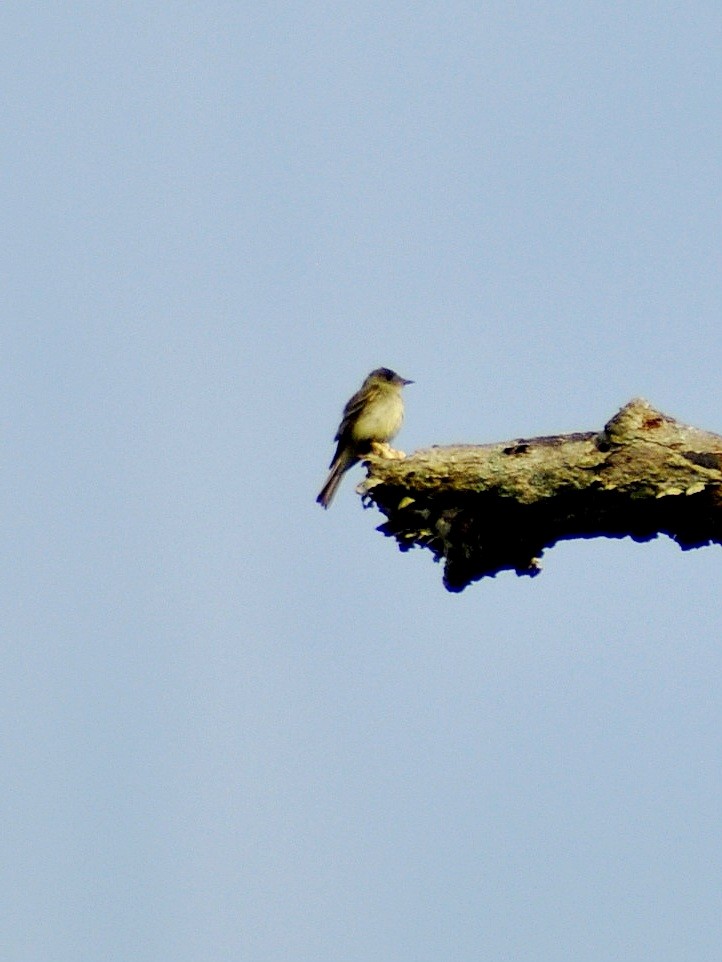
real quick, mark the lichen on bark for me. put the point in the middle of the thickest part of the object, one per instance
(481, 509)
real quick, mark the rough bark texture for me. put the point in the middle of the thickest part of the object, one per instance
(493, 507)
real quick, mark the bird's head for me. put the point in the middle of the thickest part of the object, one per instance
(385, 374)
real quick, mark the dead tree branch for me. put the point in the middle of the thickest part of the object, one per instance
(495, 507)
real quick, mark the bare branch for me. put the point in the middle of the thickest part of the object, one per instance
(494, 507)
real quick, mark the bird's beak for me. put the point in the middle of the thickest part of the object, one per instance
(404, 381)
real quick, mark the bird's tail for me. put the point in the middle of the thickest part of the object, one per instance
(339, 467)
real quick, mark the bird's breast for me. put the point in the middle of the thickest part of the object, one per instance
(381, 418)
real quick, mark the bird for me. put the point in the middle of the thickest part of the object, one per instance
(373, 416)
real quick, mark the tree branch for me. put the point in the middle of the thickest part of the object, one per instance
(495, 507)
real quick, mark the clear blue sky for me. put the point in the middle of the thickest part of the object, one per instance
(234, 726)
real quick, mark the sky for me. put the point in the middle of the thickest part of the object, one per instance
(235, 726)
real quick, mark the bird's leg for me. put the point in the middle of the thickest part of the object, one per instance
(383, 449)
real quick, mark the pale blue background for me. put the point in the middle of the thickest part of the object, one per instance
(235, 727)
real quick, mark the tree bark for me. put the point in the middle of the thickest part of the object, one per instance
(493, 507)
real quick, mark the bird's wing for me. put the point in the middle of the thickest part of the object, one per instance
(353, 409)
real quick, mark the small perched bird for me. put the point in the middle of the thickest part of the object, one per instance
(373, 415)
